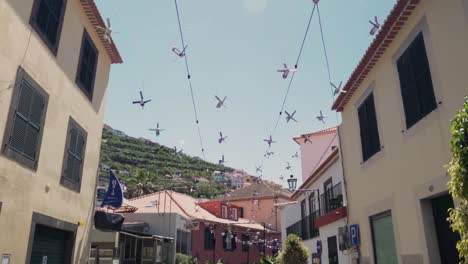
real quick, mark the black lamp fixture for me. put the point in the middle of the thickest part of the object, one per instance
(292, 183)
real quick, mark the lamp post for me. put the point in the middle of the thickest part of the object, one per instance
(292, 183)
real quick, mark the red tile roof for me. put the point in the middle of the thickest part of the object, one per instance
(95, 18)
(388, 32)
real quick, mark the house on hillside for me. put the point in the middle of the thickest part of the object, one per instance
(396, 129)
(257, 202)
(201, 232)
(54, 67)
(239, 179)
(319, 216)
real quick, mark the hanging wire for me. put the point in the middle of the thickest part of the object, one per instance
(292, 79)
(190, 82)
(326, 59)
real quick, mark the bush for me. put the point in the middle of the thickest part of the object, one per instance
(293, 252)
(458, 184)
(185, 259)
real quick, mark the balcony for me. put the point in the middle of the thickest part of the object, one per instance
(331, 206)
(331, 199)
(305, 228)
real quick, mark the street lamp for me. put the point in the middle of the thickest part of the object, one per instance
(292, 183)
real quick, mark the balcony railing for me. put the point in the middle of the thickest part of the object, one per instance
(305, 228)
(331, 199)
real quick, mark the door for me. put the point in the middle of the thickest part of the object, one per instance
(446, 238)
(328, 194)
(383, 238)
(50, 246)
(332, 250)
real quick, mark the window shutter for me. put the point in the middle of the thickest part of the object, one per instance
(233, 243)
(372, 125)
(364, 129)
(408, 89)
(423, 78)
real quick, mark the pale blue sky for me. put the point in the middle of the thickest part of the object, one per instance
(235, 48)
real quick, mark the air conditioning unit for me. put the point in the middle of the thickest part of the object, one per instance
(343, 238)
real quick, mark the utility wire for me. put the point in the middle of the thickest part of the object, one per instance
(326, 59)
(189, 81)
(292, 79)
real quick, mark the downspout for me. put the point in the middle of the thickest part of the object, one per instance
(343, 172)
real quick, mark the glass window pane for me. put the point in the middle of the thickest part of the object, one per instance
(384, 240)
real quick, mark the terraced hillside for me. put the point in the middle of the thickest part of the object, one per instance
(147, 167)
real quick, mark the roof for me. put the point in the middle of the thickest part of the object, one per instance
(263, 189)
(389, 30)
(96, 20)
(326, 131)
(186, 206)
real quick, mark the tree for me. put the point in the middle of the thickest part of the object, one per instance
(458, 184)
(293, 252)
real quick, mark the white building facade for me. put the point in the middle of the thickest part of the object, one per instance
(320, 215)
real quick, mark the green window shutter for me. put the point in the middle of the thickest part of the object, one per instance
(27, 122)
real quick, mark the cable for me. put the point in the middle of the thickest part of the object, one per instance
(326, 59)
(291, 80)
(190, 82)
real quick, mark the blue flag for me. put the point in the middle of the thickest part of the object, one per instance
(114, 195)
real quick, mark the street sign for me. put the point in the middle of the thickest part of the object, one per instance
(354, 234)
(319, 247)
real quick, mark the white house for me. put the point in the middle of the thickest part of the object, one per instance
(320, 214)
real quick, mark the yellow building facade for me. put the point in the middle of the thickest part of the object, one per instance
(394, 166)
(54, 72)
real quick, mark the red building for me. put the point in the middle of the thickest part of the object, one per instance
(240, 242)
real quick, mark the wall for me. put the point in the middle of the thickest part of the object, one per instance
(22, 191)
(229, 257)
(266, 212)
(311, 153)
(410, 166)
(162, 225)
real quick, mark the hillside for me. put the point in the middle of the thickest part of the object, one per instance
(147, 167)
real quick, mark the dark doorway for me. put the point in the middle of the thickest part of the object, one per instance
(446, 238)
(50, 246)
(332, 250)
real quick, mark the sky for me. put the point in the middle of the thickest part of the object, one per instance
(234, 50)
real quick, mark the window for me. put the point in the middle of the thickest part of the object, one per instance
(370, 141)
(224, 212)
(416, 82)
(74, 156)
(25, 125)
(47, 19)
(210, 240)
(245, 242)
(241, 212)
(383, 239)
(229, 241)
(87, 66)
(183, 242)
(234, 214)
(303, 208)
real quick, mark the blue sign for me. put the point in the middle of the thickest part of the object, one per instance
(319, 247)
(354, 234)
(114, 195)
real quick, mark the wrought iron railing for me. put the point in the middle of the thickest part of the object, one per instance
(305, 228)
(331, 199)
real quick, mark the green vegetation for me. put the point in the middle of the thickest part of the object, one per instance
(458, 184)
(293, 252)
(151, 167)
(185, 259)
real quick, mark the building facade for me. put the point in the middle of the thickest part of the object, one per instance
(320, 215)
(257, 202)
(54, 74)
(395, 132)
